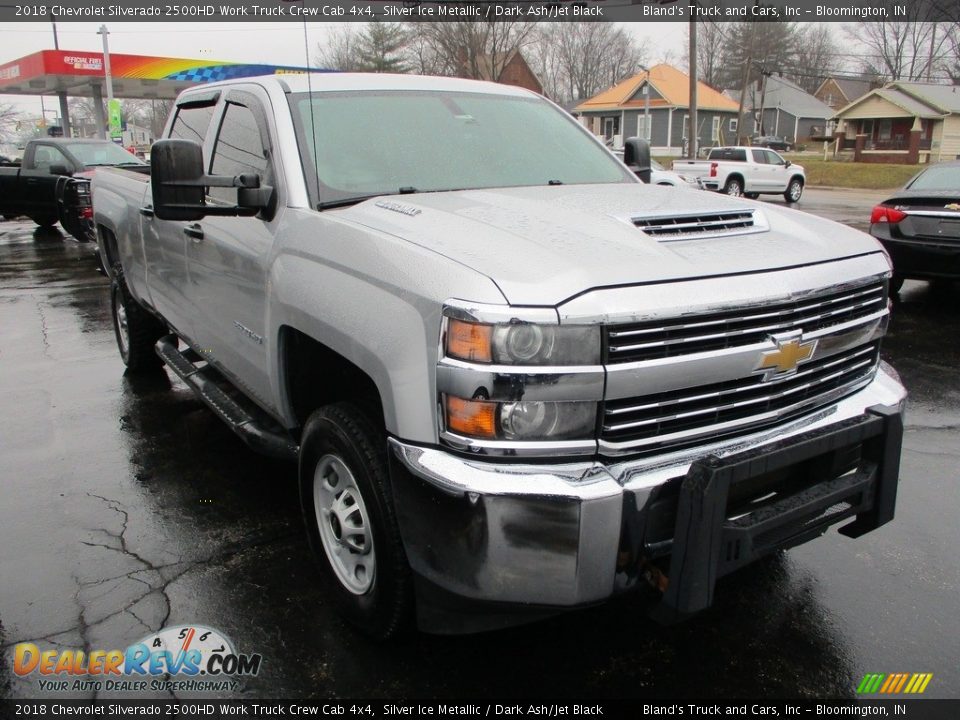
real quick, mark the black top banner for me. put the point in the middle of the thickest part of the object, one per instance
(497, 10)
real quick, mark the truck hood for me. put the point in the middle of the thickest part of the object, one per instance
(543, 245)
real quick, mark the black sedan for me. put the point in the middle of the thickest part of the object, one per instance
(920, 225)
(773, 142)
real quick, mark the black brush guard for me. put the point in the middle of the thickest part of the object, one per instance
(707, 545)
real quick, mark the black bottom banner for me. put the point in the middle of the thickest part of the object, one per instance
(913, 709)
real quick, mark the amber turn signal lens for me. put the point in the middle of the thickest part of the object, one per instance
(469, 341)
(471, 417)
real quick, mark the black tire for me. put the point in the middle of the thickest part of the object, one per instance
(751, 196)
(135, 329)
(46, 222)
(794, 190)
(896, 282)
(734, 187)
(342, 453)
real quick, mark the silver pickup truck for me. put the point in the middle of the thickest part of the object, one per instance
(516, 379)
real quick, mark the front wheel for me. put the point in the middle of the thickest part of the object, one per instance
(794, 191)
(136, 330)
(734, 187)
(350, 520)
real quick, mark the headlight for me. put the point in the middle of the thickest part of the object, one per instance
(524, 420)
(520, 343)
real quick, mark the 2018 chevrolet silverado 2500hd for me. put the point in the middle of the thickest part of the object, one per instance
(749, 171)
(52, 182)
(517, 379)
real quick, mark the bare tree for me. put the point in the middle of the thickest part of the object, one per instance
(950, 64)
(340, 51)
(10, 121)
(712, 48)
(901, 49)
(576, 60)
(478, 49)
(817, 56)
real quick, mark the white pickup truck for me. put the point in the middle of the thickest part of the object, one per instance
(748, 171)
(517, 379)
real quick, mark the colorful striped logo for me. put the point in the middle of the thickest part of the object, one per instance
(894, 683)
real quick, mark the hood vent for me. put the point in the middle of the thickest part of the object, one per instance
(703, 225)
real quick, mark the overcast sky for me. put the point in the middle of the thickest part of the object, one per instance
(268, 43)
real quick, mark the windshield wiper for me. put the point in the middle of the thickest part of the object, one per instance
(345, 202)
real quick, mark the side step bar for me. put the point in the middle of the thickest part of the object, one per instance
(250, 424)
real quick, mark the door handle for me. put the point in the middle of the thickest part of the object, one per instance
(194, 231)
(146, 211)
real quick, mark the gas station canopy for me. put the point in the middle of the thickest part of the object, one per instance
(53, 72)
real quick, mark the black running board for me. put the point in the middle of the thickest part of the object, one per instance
(250, 423)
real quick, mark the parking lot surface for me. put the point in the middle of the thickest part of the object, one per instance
(127, 507)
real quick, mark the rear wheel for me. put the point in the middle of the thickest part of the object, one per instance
(350, 520)
(136, 330)
(734, 187)
(794, 190)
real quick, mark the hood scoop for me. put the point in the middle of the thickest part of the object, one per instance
(696, 226)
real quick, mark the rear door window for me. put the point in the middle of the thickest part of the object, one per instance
(46, 155)
(759, 156)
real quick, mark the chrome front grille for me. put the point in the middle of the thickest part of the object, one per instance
(682, 227)
(671, 418)
(658, 339)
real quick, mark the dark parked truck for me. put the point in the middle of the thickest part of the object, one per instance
(51, 184)
(516, 379)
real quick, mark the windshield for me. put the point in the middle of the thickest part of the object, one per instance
(386, 142)
(938, 178)
(105, 153)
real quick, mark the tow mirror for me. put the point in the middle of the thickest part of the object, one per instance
(636, 156)
(179, 185)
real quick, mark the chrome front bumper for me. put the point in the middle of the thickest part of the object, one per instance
(549, 534)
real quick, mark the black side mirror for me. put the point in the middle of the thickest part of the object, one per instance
(179, 185)
(787, 163)
(175, 166)
(636, 156)
(60, 169)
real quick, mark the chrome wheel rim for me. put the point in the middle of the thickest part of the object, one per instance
(344, 525)
(734, 190)
(795, 191)
(123, 329)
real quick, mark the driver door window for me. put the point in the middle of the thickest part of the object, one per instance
(239, 150)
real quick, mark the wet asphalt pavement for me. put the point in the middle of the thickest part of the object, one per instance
(126, 506)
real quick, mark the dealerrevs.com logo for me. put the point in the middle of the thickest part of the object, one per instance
(180, 658)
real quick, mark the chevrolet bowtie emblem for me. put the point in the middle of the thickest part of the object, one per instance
(952, 206)
(790, 352)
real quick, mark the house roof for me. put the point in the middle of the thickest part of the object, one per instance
(945, 98)
(896, 96)
(791, 98)
(853, 88)
(671, 84)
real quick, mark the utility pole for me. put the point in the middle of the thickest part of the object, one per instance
(106, 72)
(747, 67)
(693, 131)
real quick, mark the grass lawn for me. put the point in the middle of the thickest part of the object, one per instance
(869, 176)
